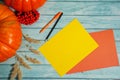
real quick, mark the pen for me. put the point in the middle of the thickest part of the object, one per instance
(61, 13)
(50, 22)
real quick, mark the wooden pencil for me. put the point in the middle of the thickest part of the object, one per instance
(50, 22)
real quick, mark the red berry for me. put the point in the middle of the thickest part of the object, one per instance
(27, 17)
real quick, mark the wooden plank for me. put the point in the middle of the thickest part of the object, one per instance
(24, 51)
(46, 71)
(58, 79)
(82, 8)
(54, 79)
(41, 58)
(36, 46)
(88, 21)
(76, 0)
(34, 33)
(81, 0)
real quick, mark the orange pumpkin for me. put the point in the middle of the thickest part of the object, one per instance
(10, 33)
(26, 9)
(25, 5)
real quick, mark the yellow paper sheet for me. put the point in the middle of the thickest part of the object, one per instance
(68, 47)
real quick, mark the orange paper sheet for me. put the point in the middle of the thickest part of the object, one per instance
(104, 56)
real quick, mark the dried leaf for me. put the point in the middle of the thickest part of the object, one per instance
(33, 60)
(31, 40)
(22, 62)
(14, 71)
(19, 74)
(34, 51)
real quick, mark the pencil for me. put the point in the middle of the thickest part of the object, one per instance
(50, 22)
(61, 13)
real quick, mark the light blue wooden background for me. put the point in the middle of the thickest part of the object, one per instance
(95, 15)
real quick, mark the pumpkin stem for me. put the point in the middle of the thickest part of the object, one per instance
(27, 17)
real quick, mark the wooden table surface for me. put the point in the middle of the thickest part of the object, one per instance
(95, 15)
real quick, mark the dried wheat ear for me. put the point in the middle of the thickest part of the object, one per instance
(16, 72)
(32, 60)
(31, 40)
(34, 51)
(22, 62)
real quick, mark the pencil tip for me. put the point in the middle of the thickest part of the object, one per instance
(40, 31)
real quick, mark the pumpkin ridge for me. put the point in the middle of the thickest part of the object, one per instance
(13, 41)
(7, 14)
(22, 5)
(6, 18)
(7, 55)
(7, 45)
(31, 4)
(3, 12)
(3, 21)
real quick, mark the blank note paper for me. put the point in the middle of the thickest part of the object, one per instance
(104, 56)
(68, 47)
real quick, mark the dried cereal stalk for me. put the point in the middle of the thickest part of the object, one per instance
(22, 62)
(33, 60)
(14, 71)
(31, 40)
(19, 74)
(15, 65)
(34, 51)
